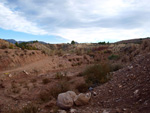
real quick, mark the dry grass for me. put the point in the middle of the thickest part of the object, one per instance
(61, 87)
(45, 96)
(45, 81)
(82, 88)
(29, 108)
(97, 74)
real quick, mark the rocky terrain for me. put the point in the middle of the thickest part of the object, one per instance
(38, 81)
(127, 92)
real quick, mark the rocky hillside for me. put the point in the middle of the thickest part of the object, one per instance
(4, 44)
(128, 90)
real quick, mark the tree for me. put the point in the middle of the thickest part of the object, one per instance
(17, 44)
(102, 43)
(72, 42)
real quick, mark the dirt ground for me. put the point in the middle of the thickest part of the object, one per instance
(127, 92)
(28, 77)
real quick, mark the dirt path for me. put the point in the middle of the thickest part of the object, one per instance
(28, 67)
(47, 65)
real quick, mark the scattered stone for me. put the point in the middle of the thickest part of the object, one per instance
(73, 110)
(124, 109)
(90, 88)
(120, 86)
(109, 91)
(10, 75)
(136, 91)
(94, 93)
(65, 100)
(26, 72)
(62, 111)
(82, 99)
(105, 111)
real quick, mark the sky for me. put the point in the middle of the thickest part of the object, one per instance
(84, 21)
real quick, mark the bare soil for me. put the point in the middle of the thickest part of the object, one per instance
(127, 92)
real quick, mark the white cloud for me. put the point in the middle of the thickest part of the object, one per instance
(80, 20)
(13, 21)
(101, 34)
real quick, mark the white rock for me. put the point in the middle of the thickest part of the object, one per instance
(94, 93)
(26, 72)
(65, 100)
(82, 99)
(62, 111)
(136, 91)
(105, 111)
(10, 75)
(73, 110)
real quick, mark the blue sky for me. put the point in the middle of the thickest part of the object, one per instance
(59, 21)
(20, 36)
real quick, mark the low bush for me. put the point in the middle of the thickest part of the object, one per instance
(29, 108)
(113, 57)
(82, 88)
(97, 74)
(108, 51)
(11, 46)
(45, 81)
(59, 75)
(3, 47)
(62, 76)
(80, 74)
(63, 86)
(45, 96)
(116, 67)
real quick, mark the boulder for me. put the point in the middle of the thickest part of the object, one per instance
(82, 99)
(65, 100)
(62, 111)
(73, 110)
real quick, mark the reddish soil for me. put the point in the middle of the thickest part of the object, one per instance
(22, 74)
(127, 92)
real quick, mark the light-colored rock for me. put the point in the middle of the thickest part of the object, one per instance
(105, 111)
(10, 75)
(94, 93)
(73, 110)
(136, 91)
(62, 111)
(65, 100)
(82, 99)
(25, 72)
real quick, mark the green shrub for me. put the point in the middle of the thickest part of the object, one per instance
(73, 42)
(102, 43)
(97, 74)
(25, 45)
(11, 46)
(113, 57)
(108, 51)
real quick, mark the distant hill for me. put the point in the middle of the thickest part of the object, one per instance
(137, 41)
(11, 40)
(5, 44)
(14, 41)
